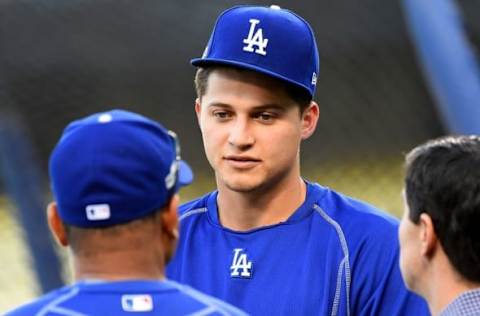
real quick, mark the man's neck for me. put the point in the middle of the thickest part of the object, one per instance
(121, 265)
(243, 211)
(450, 292)
(445, 286)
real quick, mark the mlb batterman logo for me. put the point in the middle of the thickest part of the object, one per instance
(241, 267)
(137, 303)
(97, 212)
(255, 38)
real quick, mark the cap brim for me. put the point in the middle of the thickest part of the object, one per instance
(185, 174)
(204, 62)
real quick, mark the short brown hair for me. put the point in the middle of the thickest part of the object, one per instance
(297, 94)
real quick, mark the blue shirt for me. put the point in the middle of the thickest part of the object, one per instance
(333, 256)
(467, 304)
(125, 298)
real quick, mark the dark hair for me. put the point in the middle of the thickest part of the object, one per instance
(80, 238)
(443, 180)
(296, 93)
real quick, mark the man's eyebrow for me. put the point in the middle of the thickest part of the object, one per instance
(270, 106)
(262, 107)
(219, 104)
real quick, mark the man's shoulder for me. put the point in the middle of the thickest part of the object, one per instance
(124, 297)
(348, 210)
(369, 234)
(35, 306)
(195, 206)
(214, 304)
(356, 221)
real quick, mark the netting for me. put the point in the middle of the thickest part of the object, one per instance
(63, 60)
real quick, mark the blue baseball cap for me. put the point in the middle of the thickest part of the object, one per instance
(114, 167)
(270, 40)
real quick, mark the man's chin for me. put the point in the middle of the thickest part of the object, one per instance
(409, 281)
(242, 186)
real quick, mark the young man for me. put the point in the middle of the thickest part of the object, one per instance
(439, 237)
(114, 177)
(268, 240)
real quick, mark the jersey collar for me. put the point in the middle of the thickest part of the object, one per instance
(314, 193)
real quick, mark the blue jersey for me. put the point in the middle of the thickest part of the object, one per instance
(125, 298)
(333, 256)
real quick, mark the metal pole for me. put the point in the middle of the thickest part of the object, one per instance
(24, 185)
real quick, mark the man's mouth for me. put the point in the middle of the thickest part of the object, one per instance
(241, 162)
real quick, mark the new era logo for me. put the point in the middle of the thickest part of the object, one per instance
(98, 212)
(314, 79)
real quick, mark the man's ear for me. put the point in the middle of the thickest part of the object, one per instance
(309, 119)
(57, 227)
(198, 110)
(428, 237)
(169, 222)
(169, 218)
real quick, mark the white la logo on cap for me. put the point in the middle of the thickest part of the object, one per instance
(98, 212)
(255, 39)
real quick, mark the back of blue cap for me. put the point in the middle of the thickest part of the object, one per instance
(270, 40)
(114, 167)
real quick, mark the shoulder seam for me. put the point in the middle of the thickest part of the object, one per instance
(204, 312)
(54, 304)
(65, 312)
(345, 261)
(212, 304)
(192, 212)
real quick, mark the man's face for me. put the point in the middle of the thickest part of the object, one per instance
(410, 252)
(251, 130)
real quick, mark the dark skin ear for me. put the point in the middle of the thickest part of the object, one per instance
(169, 222)
(428, 237)
(57, 227)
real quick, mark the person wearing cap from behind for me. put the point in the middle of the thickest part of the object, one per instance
(115, 177)
(268, 240)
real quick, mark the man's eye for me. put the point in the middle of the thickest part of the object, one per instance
(265, 116)
(221, 114)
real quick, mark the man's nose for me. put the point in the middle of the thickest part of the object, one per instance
(241, 135)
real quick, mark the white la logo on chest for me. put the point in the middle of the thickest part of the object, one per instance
(241, 267)
(255, 38)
